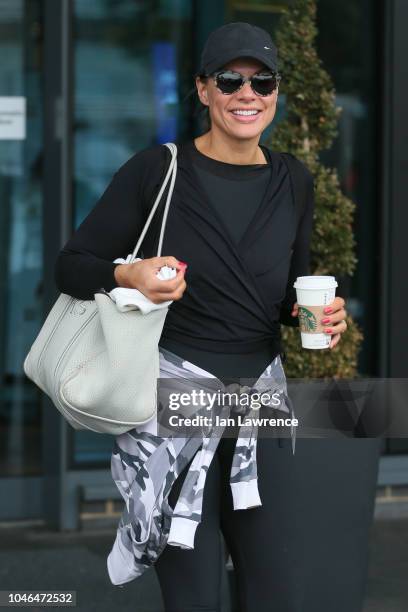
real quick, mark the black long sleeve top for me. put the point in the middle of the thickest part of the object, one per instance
(237, 229)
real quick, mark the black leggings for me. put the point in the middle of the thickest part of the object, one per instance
(303, 550)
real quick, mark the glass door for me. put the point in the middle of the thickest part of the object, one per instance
(21, 285)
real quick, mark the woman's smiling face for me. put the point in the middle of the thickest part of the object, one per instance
(222, 107)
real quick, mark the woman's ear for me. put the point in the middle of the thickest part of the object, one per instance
(202, 91)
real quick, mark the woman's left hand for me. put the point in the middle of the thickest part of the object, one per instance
(334, 321)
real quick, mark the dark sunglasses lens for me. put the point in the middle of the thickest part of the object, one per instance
(264, 84)
(229, 82)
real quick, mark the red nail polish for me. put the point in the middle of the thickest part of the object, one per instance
(328, 331)
(326, 320)
(327, 310)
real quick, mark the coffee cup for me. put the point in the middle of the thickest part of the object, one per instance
(314, 293)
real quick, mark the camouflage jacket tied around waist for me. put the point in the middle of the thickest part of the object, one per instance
(145, 466)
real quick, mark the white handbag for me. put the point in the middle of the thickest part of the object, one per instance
(98, 365)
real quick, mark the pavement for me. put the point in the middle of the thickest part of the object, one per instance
(38, 559)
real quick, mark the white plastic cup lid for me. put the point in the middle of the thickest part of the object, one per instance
(315, 282)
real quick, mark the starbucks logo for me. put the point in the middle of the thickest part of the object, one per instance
(307, 319)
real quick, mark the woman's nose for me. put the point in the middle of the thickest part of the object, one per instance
(246, 91)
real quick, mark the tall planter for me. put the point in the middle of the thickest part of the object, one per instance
(333, 481)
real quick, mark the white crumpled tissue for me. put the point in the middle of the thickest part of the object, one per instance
(133, 299)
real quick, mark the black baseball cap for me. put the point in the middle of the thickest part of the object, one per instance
(237, 39)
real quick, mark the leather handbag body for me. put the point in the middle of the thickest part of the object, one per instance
(98, 365)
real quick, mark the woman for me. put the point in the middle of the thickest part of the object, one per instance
(232, 220)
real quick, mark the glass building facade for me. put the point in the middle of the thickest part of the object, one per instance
(84, 84)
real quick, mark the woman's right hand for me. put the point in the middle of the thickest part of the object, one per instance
(141, 275)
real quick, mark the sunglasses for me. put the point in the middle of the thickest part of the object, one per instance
(262, 83)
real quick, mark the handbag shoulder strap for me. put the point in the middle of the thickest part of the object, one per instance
(169, 177)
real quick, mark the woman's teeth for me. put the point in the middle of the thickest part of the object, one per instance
(245, 112)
